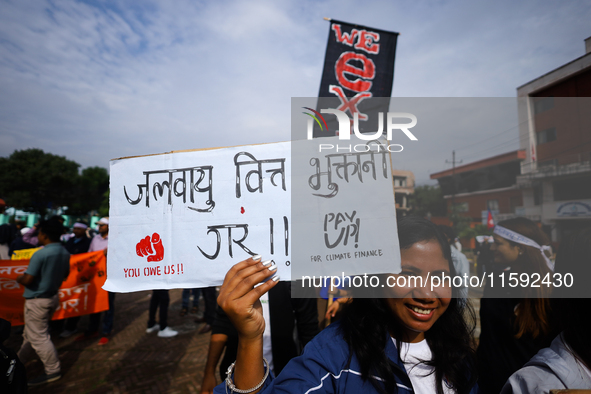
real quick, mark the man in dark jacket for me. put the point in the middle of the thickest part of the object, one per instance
(79, 243)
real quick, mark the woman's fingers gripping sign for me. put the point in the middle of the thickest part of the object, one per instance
(240, 293)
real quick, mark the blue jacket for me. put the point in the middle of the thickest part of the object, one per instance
(324, 368)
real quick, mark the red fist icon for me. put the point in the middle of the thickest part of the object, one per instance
(151, 248)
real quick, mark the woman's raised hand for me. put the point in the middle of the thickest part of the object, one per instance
(239, 297)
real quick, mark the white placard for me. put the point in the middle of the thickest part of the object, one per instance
(343, 208)
(210, 209)
(182, 219)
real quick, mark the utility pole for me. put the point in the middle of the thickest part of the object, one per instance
(453, 179)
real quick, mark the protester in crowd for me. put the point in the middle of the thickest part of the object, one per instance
(459, 259)
(332, 291)
(77, 244)
(566, 364)
(4, 244)
(518, 323)
(8, 233)
(160, 300)
(47, 269)
(484, 256)
(209, 296)
(333, 308)
(31, 236)
(186, 298)
(19, 243)
(458, 244)
(414, 338)
(100, 242)
(91, 232)
(282, 315)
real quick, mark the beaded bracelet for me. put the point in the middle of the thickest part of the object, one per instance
(230, 384)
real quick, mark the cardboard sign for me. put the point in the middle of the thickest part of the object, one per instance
(343, 209)
(182, 219)
(80, 294)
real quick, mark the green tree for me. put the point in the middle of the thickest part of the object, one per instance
(91, 186)
(104, 208)
(36, 181)
(428, 199)
(460, 222)
(470, 232)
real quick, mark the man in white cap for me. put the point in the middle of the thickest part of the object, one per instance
(101, 240)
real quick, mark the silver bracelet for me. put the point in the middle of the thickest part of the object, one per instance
(230, 384)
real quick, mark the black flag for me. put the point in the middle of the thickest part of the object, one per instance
(358, 66)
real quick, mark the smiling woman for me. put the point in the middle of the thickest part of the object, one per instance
(417, 308)
(415, 340)
(428, 328)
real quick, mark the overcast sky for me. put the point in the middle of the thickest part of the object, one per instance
(95, 81)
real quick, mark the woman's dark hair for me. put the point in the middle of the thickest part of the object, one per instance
(571, 302)
(449, 233)
(533, 311)
(367, 323)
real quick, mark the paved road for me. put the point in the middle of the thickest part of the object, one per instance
(132, 361)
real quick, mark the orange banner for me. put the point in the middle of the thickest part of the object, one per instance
(80, 294)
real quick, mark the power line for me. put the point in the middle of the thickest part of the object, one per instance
(497, 134)
(489, 138)
(492, 148)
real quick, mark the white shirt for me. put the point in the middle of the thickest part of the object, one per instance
(267, 349)
(422, 376)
